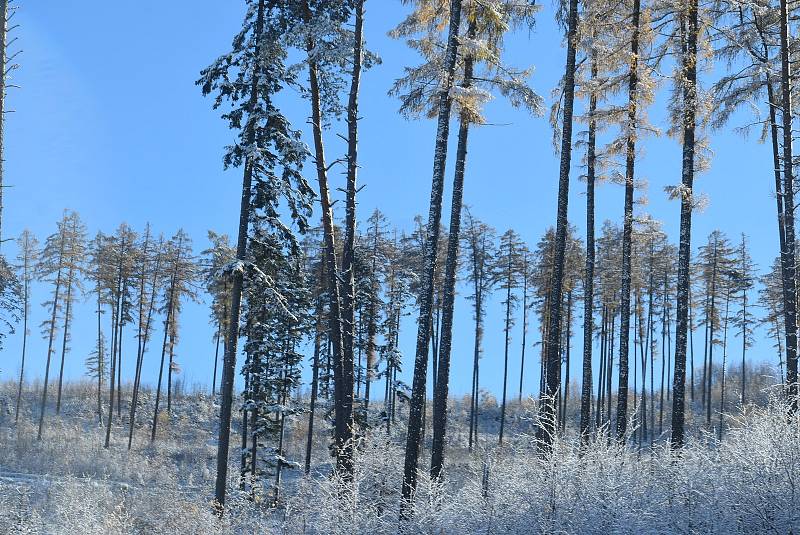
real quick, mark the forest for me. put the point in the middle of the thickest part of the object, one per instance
(649, 380)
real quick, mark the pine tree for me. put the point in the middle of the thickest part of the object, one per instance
(246, 81)
(507, 270)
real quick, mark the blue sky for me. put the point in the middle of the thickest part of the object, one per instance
(108, 122)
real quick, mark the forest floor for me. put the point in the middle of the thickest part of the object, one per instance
(68, 483)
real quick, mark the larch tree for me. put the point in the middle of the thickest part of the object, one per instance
(119, 259)
(74, 266)
(687, 37)
(443, 109)
(245, 82)
(150, 280)
(479, 244)
(216, 258)
(53, 267)
(180, 266)
(507, 271)
(480, 73)
(27, 258)
(545, 433)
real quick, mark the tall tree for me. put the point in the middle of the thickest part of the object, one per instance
(481, 250)
(150, 275)
(546, 431)
(74, 265)
(689, 29)
(51, 268)
(246, 80)
(432, 240)
(27, 259)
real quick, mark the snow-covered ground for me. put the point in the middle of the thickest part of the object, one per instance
(68, 483)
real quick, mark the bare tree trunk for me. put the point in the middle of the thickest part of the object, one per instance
(343, 396)
(167, 328)
(344, 436)
(26, 292)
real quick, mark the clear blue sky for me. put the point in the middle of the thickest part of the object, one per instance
(108, 122)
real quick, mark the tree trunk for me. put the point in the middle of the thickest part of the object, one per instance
(788, 252)
(507, 330)
(50, 340)
(431, 248)
(588, 281)
(318, 311)
(689, 76)
(232, 339)
(343, 396)
(65, 335)
(546, 431)
(627, 230)
(25, 309)
(348, 295)
(711, 335)
(167, 328)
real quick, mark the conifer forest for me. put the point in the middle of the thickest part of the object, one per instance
(220, 311)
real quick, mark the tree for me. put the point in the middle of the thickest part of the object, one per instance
(481, 250)
(7, 66)
(509, 265)
(73, 264)
(688, 113)
(746, 281)
(150, 275)
(120, 258)
(53, 267)
(481, 72)
(27, 258)
(246, 81)
(218, 257)
(180, 265)
(545, 432)
(432, 240)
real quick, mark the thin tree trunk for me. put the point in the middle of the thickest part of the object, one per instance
(588, 281)
(50, 340)
(167, 328)
(145, 334)
(343, 396)
(26, 292)
(65, 337)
